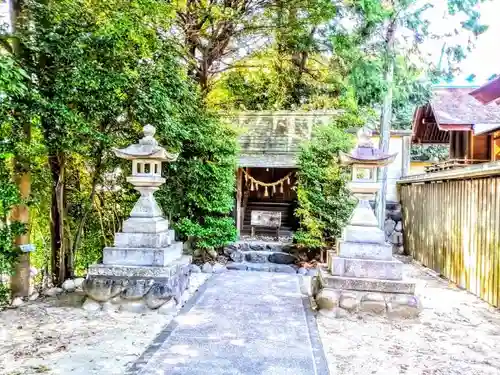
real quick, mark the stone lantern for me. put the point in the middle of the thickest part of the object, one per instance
(364, 276)
(146, 267)
(146, 225)
(364, 161)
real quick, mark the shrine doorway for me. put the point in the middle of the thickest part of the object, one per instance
(267, 190)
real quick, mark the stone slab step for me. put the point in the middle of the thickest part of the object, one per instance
(250, 245)
(362, 250)
(256, 256)
(262, 256)
(261, 267)
(284, 231)
(367, 268)
(142, 256)
(258, 245)
(370, 285)
(268, 232)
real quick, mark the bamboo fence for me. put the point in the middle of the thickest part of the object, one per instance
(451, 224)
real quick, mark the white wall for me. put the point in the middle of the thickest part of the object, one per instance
(4, 13)
(394, 169)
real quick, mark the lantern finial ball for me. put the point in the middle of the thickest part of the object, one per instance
(149, 130)
(364, 137)
(149, 139)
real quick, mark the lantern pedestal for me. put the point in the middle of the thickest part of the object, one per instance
(146, 267)
(146, 239)
(364, 277)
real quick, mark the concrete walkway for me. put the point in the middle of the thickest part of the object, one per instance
(240, 323)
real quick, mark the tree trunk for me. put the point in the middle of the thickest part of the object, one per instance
(385, 121)
(59, 261)
(69, 255)
(95, 178)
(202, 79)
(20, 281)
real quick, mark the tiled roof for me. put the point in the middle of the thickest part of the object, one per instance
(455, 106)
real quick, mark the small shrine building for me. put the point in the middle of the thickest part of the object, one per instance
(454, 117)
(266, 178)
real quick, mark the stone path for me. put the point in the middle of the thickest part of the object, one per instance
(240, 323)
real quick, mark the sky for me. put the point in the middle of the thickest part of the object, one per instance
(483, 61)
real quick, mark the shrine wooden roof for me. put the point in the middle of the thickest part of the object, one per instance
(490, 92)
(451, 108)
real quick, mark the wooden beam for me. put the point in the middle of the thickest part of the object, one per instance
(491, 142)
(467, 145)
(239, 195)
(426, 132)
(471, 140)
(452, 145)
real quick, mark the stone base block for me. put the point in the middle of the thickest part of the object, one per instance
(146, 240)
(343, 303)
(137, 289)
(403, 306)
(327, 280)
(354, 233)
(328, 299)
(361, 250)
(142, 256)
(373, 303)
(121, 271)
(367, 268)
(145, 225)
(369, 285)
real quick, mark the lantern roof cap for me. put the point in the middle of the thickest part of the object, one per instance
(365, 153)
(147, 148)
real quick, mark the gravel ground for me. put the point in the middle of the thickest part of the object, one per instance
(457, 333)
(51, 336)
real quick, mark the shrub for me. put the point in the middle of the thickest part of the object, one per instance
(324, 202)
(207, 237)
